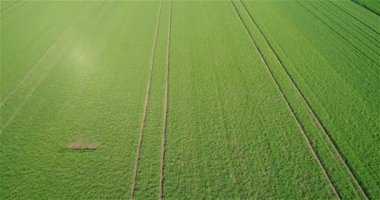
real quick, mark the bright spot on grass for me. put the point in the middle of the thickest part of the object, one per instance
(81, 58)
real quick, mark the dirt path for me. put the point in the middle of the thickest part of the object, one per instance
(143, 120)
(315, 117)
(299, 125)
(166, 108)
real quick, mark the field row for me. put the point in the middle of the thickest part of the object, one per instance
(189, 100)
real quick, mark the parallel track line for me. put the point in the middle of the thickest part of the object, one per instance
(315, 117)
(17, 7)
(343, 28)
(357, 19)
(4, 10)
(146, 104)
(353, 26)
(40, 59)
(166, 108)
(35, 86)
(345, 39)
(365, 7)
(30, 94)
(289, 107)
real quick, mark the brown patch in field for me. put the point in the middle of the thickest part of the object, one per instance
(82, 146)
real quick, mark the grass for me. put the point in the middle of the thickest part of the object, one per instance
(189, 100)
(373, 6)
(338, 117)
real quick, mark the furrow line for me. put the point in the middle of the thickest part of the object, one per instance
(143, 120)
(353, 26)
(357, 19)
(40, 59)
(315, 117)
(342, 27)
(166, 107)
(356, 48)
(291, 110)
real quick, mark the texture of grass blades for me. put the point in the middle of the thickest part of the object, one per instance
(95, 91)
(147, 185)
(327, 75)
(26, 37)
(359, 13)
(73, 82)
(229, 148)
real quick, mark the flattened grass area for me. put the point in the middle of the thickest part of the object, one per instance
(266, 99)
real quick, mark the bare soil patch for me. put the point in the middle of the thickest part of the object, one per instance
(82, 146)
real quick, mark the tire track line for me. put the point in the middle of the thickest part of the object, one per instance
(48, 68)
(40, 59)
(331, 28)
(146, 99)
(292, 112)
(352, 26)
(343, 28)
(5, 9)
(366, 7)
(357, 19)
(17, 7)
(166, 107)
(315, 117)
(30, 94)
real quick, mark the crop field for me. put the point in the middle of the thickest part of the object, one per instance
(240, 99)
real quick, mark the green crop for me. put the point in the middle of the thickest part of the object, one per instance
(189, 99)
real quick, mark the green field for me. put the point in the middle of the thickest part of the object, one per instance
(190, 99)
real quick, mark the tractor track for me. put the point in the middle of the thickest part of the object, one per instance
(38, 62)
(366, 7)
(352, 26)
(30, 94)
(14, 3)
(8, 12)
(166, 106)
(315, 117)
(357, 19)
(331, 28)
(48, 69)
(344, 28)
(146, 104)
(292, 112)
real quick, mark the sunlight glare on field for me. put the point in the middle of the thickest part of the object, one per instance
(81, 59)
